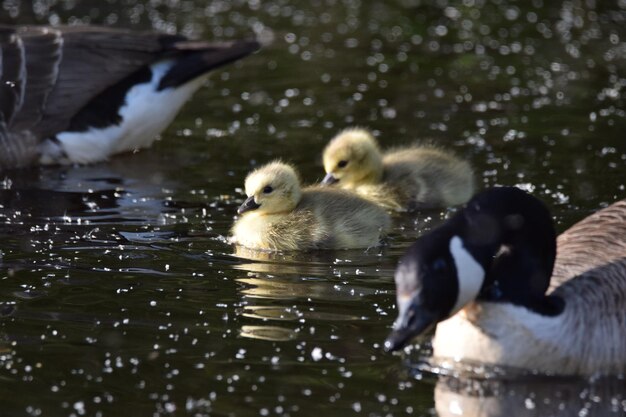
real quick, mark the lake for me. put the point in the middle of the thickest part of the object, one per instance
(120, 295)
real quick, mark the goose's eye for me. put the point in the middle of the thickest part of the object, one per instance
(342, 164)
(268, 189)
(439, 265)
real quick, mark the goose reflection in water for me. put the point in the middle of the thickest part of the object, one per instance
(536, 397)
(113, 192)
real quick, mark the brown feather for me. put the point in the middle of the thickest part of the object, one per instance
(49, 75)
(11, 74)
(93, 59)
(42, 53)
(596, 241)
(16, 150)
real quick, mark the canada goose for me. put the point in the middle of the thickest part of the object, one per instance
(80, 94)
(482, 278)
(278, 215)
(400, 179)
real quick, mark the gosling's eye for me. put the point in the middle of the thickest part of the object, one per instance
(268, 189)
(342, 164)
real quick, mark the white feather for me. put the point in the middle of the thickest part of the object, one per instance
(470, 274)
(145, 114)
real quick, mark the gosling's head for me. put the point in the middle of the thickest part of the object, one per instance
(272, 188)
(352, 158)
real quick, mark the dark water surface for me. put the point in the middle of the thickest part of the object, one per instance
(120, 296)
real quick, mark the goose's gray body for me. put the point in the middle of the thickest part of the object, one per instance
(509, 293)
(81, 94)
(587, 337)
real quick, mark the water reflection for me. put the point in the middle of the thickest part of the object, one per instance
(286, 295)
(538, 397)
(269, 333)
(307, 263)
(119, 191)
(148, 296)
(303, 289)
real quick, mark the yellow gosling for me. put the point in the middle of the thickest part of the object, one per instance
(402, 179)
(279, 215)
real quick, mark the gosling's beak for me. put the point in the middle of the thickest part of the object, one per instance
(248, 205)
(414, 319)
(329, 179)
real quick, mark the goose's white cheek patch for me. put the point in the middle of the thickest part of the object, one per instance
(470, 274)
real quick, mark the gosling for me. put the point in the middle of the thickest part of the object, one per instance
(403, 179)
(280, 216)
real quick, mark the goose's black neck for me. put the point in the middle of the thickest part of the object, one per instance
(511, 234)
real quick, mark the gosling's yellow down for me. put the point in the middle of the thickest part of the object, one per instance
(402, 179)
(279, 215)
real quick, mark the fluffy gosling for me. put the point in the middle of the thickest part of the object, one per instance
(279, 215)
(402, 179)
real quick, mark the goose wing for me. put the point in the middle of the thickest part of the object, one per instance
(16, 148)
(91, 60)
(12, 74)
(94, 59)
(50, 74)
(590, 275)
(594, 249)
(41, 53)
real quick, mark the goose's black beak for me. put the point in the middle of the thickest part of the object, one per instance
(248, 205)
(329, 179)
(413, 320)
